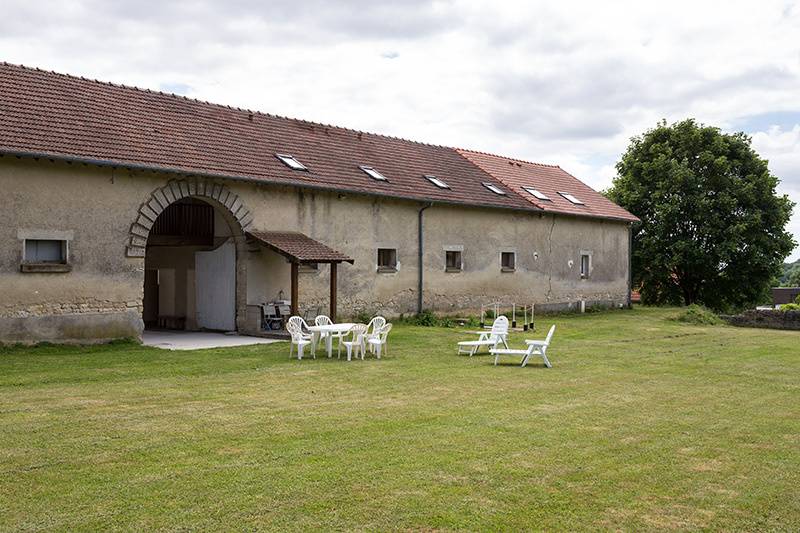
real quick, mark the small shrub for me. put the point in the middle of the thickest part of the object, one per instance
(447, 322)
(790, 307)
(472, 322)
(363, 317)
(697, 314)
(425, 318)
(797, 300)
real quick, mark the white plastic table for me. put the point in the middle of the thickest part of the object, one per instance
(330, 329)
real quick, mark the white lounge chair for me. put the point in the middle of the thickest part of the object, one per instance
(534, 348)
(299, 339)
(498, 334)
(377, 343)
(356, 344)
(373, 330)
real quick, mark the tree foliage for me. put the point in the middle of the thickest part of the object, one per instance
(712, 227)
(791, 275)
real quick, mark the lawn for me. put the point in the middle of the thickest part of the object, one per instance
(643, 423)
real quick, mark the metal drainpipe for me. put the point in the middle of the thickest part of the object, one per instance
(420, 265)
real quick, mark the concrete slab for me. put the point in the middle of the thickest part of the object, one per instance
(198, 340)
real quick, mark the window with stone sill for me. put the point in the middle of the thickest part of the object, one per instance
(508, 261)
(387, 260)
(45, 255)
(586, 265)
(452, 261)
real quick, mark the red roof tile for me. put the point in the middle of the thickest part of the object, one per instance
(299, 247)
(44, 113)
(550, 180)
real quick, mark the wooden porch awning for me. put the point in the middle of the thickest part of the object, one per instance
(298, 248)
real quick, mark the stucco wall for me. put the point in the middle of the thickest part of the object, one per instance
(104, 286)
(99, 205)
(547, 250)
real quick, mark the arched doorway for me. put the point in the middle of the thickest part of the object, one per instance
(192, 238)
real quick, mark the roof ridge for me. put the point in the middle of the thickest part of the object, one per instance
(223, 106)
(546, 165)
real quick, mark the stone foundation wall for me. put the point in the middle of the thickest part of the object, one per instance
(75, 328)
(78, 306)
(405, 302)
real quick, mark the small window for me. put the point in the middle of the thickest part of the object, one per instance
(452, 261)
(291, 162)
(372, 173)
(571, 198)
(537, 193)
(508, 261)
(436, 181)
(45, 251)
(586, 265)
(387, 259)
(495, 189)
(308, 267)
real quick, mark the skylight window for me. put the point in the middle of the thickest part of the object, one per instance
(436, 181)
(536, 193)
(571, 198)
(494, 188)
(372, 173)
(291, 162)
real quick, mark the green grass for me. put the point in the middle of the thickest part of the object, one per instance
(643, 423)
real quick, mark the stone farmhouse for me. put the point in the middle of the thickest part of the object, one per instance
(125, 207)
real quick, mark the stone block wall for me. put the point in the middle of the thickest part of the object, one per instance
(770, 319)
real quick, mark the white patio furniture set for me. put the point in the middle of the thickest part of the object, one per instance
(357, 339)
(498, 335)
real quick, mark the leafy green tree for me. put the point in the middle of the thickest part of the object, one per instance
(793, 279)
(712, 227)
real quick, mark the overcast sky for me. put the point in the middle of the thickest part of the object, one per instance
(555, 82)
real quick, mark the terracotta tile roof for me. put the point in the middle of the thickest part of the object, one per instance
(550, 180)
(50, 114)
(299, 247)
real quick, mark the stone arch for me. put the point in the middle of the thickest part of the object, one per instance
(229, 204)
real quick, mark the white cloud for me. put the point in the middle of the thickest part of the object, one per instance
(566, 83)
(782, 149)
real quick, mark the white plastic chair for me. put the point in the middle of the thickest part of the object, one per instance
(373, 330)
(356, 343)
(299, 322)
(299, 339)
(534, 348)
(322, 320)
(377, 343)
(498, 334)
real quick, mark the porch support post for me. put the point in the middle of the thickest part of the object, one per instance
(295, 305)
(333, 292)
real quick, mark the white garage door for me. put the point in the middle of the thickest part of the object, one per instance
(215, 286)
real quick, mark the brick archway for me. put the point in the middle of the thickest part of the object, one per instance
(228, 203)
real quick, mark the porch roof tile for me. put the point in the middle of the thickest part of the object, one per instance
(298, 247)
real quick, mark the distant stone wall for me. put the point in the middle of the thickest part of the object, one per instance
(766, 319)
